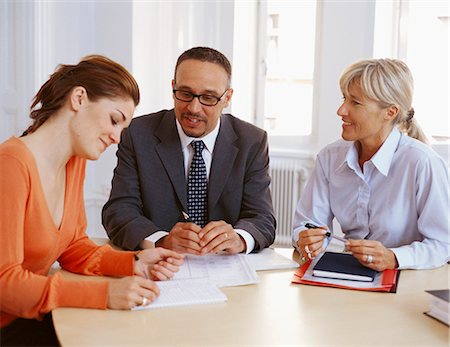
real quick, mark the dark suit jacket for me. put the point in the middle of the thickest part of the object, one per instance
(149, 185)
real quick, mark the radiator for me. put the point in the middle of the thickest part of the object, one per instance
(289, 176)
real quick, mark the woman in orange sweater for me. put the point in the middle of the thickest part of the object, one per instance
(76, 114)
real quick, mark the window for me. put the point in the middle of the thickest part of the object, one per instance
(287, 89)
(280, 37)
(418, 33)
(289, 63)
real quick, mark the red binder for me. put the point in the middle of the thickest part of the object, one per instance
(388, 284)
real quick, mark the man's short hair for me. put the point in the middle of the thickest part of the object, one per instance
(206, 54)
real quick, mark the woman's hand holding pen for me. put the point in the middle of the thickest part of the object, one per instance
(127, 292)
(150, 264)
(157, 263)
(310, 241)
(370, 253)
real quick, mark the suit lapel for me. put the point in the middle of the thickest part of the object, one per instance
(169, 151)
(225, 153)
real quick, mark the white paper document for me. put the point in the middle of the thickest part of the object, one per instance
(269, 259)
(222, 270)
(185, 292)
(199, 279)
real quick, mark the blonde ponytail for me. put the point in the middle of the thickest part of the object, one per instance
(411, 127)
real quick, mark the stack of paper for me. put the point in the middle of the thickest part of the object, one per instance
(180, 293)
(440, 305)
(268, 259)
(199, 279)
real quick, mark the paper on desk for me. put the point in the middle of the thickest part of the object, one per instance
(269, 259)
(222, 270)
(185, 292)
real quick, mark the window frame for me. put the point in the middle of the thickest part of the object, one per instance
(398, 11)
(288, 142)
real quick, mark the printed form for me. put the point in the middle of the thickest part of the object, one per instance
(199, 279)
(181, 293)
(222, 270)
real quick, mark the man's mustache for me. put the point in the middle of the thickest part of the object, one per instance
(194, 115)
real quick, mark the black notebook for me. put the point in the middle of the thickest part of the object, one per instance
(342, 266)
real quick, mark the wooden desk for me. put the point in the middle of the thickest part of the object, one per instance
(272, 313)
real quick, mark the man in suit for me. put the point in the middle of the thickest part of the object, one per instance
(149, 197)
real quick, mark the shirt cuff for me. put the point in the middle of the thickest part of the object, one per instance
(248, 239)
(404, 257)
(153, 238)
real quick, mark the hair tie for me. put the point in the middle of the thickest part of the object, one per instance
(410, 115)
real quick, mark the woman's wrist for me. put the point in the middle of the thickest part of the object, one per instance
(137, 264)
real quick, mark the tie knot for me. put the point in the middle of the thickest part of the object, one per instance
(198, 146)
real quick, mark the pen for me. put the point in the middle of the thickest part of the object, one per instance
(136, 259)
(328, 234)
(186, 217)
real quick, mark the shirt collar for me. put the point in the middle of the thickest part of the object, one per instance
(382, 159)
(352, 158)
(209, 140)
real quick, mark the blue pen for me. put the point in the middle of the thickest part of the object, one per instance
(328, 234)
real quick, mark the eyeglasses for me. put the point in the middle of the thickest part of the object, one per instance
(205, 99)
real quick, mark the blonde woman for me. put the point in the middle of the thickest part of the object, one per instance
(388, 190)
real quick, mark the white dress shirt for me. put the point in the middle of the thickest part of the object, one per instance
(188, 153)
(400, 198)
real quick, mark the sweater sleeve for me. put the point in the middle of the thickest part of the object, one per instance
(84, 257)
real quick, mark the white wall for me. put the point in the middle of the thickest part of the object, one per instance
(16, 66)
(345, 36)
(164, 30)
(147, 37)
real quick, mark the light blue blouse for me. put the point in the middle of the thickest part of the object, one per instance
(401, 199)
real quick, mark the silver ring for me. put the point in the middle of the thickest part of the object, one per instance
(307, 250)
(144, 301)
(369, 259)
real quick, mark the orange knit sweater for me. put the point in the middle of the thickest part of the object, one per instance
(30, 242)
